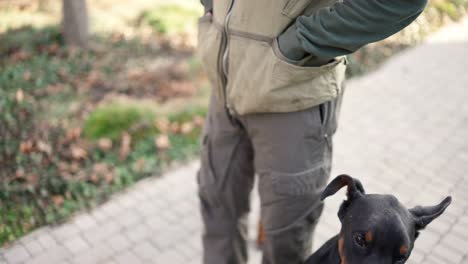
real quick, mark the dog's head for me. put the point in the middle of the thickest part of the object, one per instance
(378, 228)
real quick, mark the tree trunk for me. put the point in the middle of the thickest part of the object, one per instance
(75, 23)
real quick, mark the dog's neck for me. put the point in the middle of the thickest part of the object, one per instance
(328, 253)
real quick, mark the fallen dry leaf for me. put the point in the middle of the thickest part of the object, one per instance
(81, 175)
(44, 147)
(116, 37)
(109, 177)
(19, 173)
(101, 171)
(134, 74)
(63, 166)
(32, 179)
(162, 124)
(94, 178)
(53, 48)
(74, 167)
(57, 200)
(198, 121)
(66, 175)
(26, 146)
(125, 146)
(100, 168)
(19, 95)
(162, 142)
(186, 128)
(93, 77)
(175, 128)
(72, 51)
(73, 134)
(105, 144)
(54, 88)
(20, 55)
(78, 153)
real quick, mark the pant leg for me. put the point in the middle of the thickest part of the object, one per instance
(225, 182)
(293, 160)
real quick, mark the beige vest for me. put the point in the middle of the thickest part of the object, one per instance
(239, 51)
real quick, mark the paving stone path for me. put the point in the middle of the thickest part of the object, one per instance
(403, 130)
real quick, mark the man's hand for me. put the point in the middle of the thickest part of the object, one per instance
(289, 45)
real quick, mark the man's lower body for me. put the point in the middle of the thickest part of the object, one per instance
(291, 154)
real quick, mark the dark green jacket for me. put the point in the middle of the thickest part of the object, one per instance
(208, 4)
(345, 27)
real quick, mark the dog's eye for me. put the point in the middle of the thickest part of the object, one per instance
(360, 240)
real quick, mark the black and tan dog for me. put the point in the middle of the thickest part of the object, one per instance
(375, 228)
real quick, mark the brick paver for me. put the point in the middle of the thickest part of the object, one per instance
(403, 130)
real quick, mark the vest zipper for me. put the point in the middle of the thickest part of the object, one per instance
(223, 61)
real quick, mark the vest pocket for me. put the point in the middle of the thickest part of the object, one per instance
(292, 71)
(294, 8)
(209, 44)
(261, 81)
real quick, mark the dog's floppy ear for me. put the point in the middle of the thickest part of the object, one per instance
(355, 188)
(423, 215)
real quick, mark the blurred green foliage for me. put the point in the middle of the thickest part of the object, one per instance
(171, 18)
(29, 39)
(451, 8)
(49, 169)
(113, 120)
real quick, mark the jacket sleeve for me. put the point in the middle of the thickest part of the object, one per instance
(346, 26)
(208, 4)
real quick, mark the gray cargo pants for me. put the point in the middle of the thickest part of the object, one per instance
(291, 154)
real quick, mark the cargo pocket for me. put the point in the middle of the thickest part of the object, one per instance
(308, 182)
(207, 184)
(209, 44)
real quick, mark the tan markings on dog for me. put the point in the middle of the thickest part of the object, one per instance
(261, 234)
(341, 250)
(344, 181)
(369, 236)
(403, 250)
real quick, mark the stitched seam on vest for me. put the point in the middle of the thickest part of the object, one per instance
(251, 36)
(246, 35)
(217, 25)
(289, 7)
